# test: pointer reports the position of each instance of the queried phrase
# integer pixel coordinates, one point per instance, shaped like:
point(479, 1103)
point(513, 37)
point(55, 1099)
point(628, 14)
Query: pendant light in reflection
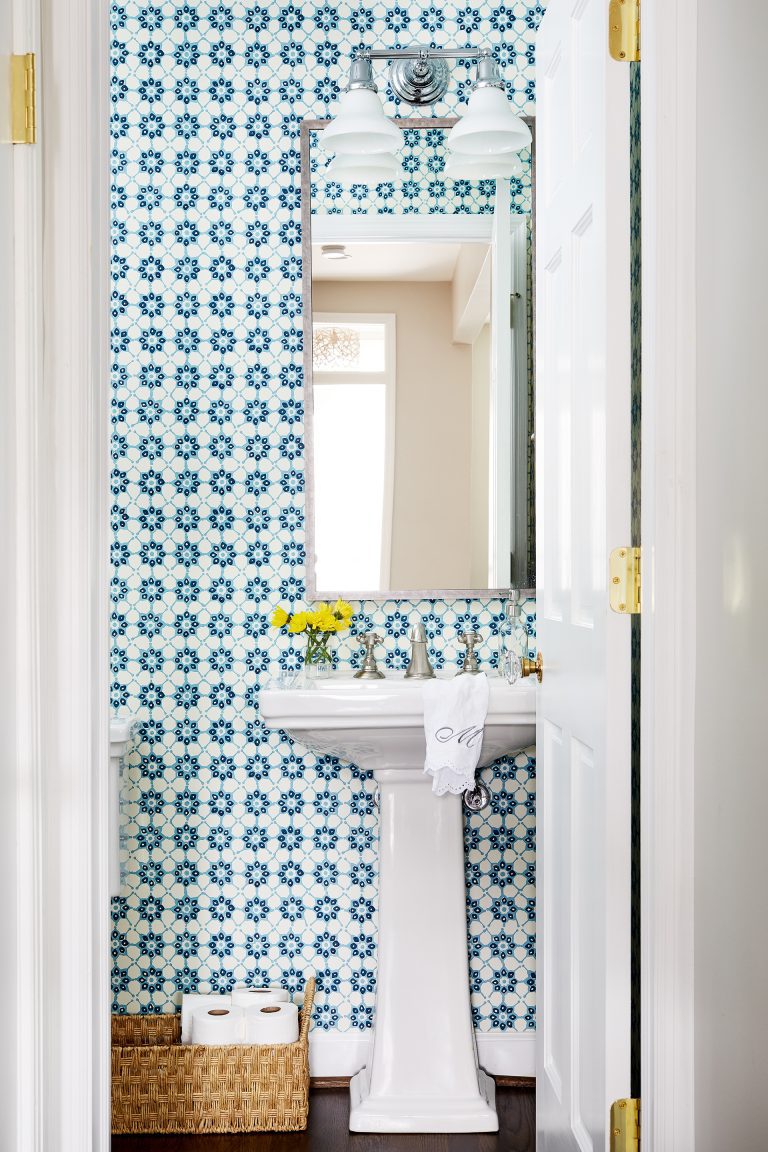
point(375, 168)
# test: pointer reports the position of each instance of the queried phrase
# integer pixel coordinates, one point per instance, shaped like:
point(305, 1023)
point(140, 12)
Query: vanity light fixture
point(420, 76)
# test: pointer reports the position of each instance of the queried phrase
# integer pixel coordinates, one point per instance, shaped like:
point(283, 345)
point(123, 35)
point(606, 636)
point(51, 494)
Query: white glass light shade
point(489, 126)
point(360, 128)
point(374, 169)
point(504, 166)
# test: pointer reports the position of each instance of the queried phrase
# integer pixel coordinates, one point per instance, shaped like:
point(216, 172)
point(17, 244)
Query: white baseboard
point(344, 1053)
point(507, 1053)
point(338, 1053)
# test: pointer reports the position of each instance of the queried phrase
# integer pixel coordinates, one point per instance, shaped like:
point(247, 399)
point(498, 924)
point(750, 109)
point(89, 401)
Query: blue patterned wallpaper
point(244, 858)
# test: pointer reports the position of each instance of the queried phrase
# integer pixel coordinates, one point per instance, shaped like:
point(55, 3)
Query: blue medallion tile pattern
point(243, 858)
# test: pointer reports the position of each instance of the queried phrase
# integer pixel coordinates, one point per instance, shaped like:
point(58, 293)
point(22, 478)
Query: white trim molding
point(669, 571)
point(507, 1053)
point(74, 424)
point(336, 1053)
point(21, 492)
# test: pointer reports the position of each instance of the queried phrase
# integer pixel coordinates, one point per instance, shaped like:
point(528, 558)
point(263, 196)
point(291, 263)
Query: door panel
point(583, 504)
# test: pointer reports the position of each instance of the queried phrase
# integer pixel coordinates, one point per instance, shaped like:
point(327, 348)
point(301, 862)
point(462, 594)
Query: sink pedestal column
point(422, 1074)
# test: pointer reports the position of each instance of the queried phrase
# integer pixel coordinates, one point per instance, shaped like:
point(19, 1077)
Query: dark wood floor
point(328, 1117)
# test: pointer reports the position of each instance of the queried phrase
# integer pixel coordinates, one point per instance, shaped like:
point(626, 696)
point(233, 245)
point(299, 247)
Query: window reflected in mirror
point(354, 406)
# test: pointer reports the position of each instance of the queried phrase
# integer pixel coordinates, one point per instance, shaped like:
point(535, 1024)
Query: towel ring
point(477, 798)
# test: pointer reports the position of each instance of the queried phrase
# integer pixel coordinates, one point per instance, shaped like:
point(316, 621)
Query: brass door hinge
point(624, 29)
point(625, 1126)
point(23, 99)
point(625, 579)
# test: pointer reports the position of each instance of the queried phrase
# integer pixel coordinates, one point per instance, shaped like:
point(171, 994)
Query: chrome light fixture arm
point(415, 53)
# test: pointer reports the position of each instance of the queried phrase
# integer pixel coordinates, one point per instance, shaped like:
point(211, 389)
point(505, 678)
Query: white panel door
point(583, 511)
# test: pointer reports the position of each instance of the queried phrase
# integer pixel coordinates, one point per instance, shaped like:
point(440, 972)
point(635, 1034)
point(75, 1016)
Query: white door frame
point(57, 559)
point(20, 628)
point(669, 116)
point(74, 125)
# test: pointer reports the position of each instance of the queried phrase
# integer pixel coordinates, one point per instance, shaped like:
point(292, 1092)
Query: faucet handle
point(469, 665)
point(369, 670)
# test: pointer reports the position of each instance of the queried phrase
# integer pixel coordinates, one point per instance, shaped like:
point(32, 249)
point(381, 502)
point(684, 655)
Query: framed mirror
point(418, 356)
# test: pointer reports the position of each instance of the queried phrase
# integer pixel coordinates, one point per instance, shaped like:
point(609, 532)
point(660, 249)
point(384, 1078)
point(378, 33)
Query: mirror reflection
point(419, 385)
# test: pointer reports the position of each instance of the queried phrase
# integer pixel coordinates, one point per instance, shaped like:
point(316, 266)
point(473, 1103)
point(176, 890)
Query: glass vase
point(317, 656)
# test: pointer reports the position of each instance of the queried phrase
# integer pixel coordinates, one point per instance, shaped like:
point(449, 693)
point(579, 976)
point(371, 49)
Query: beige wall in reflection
point(431, 531)
point(480, 458)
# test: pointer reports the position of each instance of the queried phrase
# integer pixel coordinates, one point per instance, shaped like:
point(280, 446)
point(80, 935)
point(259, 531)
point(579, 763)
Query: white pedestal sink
point(422, 1074)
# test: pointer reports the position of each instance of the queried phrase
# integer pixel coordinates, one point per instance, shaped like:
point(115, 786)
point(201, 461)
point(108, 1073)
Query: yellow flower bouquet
point(319, 624)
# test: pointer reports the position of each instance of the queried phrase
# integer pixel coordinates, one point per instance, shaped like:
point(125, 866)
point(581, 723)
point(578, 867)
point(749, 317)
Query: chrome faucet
point(419, 667)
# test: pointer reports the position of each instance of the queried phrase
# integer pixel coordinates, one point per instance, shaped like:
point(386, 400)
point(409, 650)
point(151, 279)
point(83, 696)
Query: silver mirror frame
point(377, 597)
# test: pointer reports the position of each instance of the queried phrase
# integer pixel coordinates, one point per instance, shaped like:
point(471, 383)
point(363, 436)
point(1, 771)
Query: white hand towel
point(454, 719)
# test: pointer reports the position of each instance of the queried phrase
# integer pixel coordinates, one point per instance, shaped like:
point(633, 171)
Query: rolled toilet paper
point(246, 996)
point(191, 1001)
point(218, 1025)
point(272, 1024)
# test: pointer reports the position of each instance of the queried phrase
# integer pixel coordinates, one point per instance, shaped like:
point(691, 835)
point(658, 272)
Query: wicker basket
point(162, 1085)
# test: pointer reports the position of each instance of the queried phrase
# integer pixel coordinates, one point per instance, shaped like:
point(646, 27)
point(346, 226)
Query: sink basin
point(378, 724)
point(422, 1073)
